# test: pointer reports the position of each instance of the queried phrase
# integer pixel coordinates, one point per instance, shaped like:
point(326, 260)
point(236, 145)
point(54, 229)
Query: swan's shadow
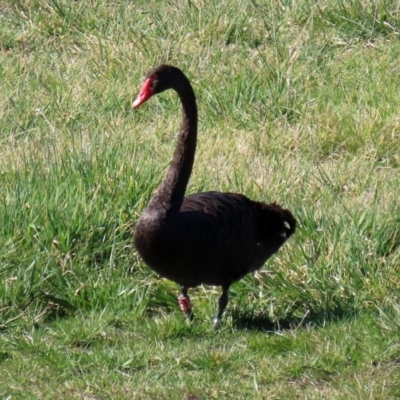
point(263, 322)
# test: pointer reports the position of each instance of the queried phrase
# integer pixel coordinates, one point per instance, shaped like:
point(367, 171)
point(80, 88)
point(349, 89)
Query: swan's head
point(157, 80)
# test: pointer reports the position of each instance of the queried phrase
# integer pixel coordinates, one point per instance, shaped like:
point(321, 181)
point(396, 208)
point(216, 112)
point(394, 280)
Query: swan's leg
point(185, 303)
point(222, 303)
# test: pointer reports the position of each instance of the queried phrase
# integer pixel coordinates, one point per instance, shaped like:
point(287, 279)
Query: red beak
point(145, 93)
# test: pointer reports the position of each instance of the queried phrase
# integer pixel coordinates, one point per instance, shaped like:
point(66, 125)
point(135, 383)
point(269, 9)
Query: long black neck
point(169, 195)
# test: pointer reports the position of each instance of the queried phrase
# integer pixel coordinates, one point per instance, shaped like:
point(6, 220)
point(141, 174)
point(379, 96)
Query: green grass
point(298, 104)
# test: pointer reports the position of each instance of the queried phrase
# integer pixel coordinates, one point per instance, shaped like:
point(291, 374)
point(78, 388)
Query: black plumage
point(208, 238)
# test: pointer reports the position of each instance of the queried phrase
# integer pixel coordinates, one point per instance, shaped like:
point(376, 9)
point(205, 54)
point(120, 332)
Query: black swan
point(207, 238)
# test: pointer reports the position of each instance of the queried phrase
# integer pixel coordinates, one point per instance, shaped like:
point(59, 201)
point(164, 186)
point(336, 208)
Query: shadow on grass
point(263, 322)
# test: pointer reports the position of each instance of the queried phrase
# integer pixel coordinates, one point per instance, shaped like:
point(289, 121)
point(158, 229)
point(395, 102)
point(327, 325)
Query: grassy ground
point(298, 103)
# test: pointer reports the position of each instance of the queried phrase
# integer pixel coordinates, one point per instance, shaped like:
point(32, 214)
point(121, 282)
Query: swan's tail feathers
point(276, 221)
point(289, 222)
